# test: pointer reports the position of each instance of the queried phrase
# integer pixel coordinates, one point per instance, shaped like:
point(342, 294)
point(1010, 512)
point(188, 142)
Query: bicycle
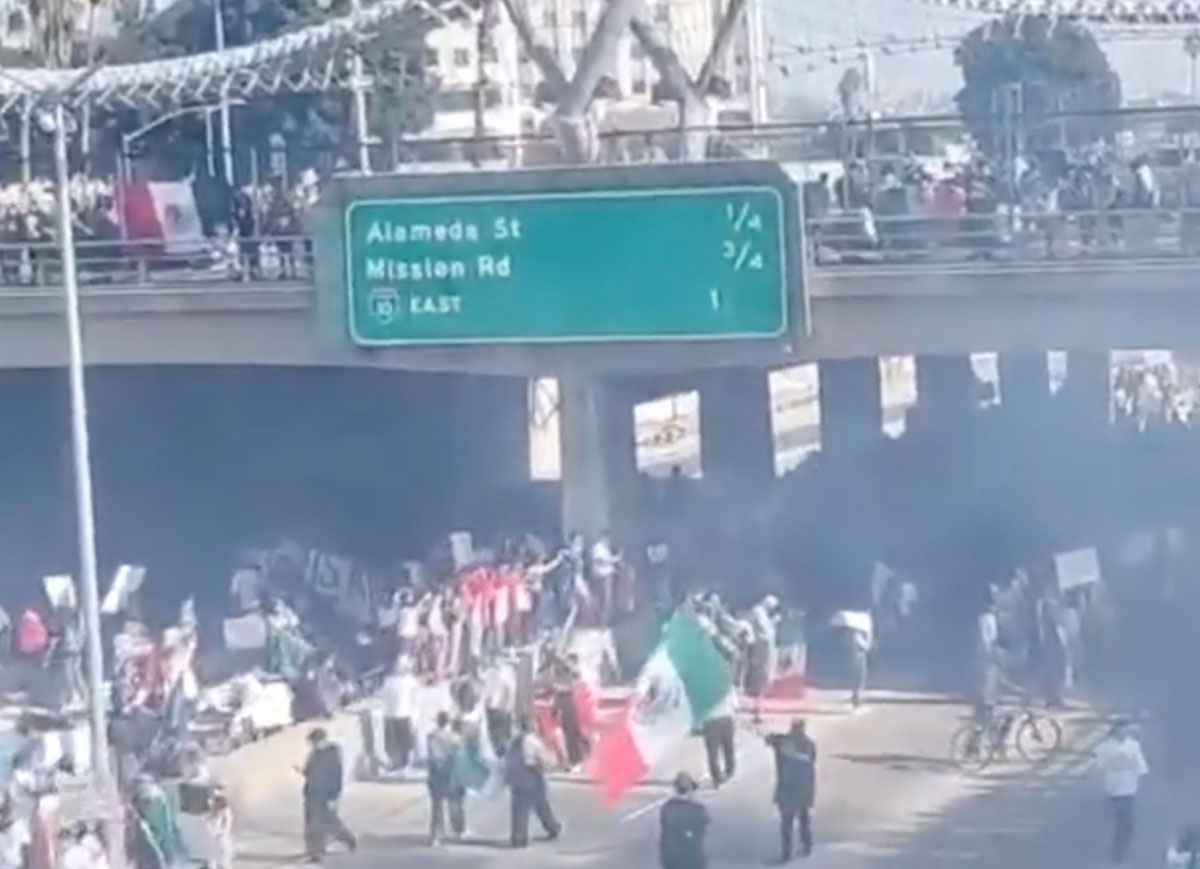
point(977, 744)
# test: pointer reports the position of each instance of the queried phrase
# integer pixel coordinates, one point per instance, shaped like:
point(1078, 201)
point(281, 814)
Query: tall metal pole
point(756, 45)
point(226, 122)
point(27, 141)
point(358, 87)
point(84, 505)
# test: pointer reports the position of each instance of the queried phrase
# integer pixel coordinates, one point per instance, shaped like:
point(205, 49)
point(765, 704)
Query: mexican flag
point(684, 680)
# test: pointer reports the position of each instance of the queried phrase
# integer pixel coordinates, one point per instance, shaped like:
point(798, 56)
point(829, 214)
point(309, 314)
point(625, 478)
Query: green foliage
point(1035, 66)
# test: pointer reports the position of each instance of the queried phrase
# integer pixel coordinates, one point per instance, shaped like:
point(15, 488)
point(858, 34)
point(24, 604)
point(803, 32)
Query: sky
point(1149, 67)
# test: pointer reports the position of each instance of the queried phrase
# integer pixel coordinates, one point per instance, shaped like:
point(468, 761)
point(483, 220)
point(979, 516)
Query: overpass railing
point(148, 264)
point(850, 237)
point(841, 239)
point(1012, 191)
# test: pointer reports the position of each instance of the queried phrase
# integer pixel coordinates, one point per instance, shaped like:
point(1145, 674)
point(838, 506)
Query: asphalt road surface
point(887, 797)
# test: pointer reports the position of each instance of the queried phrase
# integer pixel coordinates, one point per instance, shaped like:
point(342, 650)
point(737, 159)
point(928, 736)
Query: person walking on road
point(399, 696)
point(500, 701)
point(446, 794)
point(795, 786)
point(683, 823)
point(1120, 761)
point(525, 763)
point(323, 780)
point(719, 747)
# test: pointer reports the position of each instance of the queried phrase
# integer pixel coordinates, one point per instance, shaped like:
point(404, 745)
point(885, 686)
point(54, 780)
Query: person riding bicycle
point(996, 722)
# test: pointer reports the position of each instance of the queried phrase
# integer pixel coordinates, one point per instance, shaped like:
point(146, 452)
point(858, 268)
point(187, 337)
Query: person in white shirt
point(1122, 765)
point(399, 698)
point(605, 561)
point(500, 704)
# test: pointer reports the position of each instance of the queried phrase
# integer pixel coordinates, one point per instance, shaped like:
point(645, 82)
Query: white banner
point(1076, 568)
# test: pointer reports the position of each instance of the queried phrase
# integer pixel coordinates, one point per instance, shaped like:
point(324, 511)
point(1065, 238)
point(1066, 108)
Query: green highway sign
point(622, 262)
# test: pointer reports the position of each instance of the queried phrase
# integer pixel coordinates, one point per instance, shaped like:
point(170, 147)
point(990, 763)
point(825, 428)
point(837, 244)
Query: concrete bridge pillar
point(1024, 384)
point(1088, 388)
point(737, 442)
point(947, 392)
point(851, 406)
point(489, 416)
point(599, 455)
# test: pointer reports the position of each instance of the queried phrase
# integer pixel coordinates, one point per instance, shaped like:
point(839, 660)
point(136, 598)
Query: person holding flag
point(682, 684)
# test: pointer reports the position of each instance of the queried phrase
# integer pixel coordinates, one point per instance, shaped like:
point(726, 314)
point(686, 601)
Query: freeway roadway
point(887, 799)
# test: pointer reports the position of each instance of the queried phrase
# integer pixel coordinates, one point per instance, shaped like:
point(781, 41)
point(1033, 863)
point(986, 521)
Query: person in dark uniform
point(323, 779)
point(795, 786)
point(683, 823)
point(525, 763)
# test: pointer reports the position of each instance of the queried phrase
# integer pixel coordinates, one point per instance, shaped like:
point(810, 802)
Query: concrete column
point(1088, 388)
point(946, 390)
point(599, 458)
point(851, 398)
point(737, 444)
point(490, 425)
point(1024, 384)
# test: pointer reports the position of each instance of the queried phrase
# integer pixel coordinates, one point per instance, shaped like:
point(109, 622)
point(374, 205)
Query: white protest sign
point(60, 591)
point(126, 581)
point(1077, 567)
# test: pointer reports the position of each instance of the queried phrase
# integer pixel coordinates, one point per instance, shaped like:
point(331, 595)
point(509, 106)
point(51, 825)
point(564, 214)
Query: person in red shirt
point(33, 638)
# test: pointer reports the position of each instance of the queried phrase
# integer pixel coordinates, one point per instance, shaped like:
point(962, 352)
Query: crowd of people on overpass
point(1055, 203)
point(201, 229)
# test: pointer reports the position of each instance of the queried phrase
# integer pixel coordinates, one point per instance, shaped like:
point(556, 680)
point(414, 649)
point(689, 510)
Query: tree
point(1022, 70)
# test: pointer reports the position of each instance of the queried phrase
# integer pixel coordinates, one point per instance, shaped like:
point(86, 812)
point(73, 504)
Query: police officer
point(683, 822)
point(795, 785)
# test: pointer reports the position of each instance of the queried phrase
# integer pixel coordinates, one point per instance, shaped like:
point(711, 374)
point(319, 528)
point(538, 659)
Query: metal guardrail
point(150, 264)
point(860, 236)
point(840, 240)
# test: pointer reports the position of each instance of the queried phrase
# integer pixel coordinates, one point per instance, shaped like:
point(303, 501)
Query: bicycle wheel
point(970, 748)
point(1038, 737)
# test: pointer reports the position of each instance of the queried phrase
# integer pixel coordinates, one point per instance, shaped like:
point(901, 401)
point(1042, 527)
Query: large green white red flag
point(683, 682)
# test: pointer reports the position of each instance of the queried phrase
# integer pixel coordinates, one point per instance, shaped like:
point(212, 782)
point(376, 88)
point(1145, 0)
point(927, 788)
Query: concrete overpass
point(857, 311)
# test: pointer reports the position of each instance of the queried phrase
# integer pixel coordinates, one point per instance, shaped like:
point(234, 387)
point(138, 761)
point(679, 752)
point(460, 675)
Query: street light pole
point(358, 87)
point(226, 123)
point(84, 499)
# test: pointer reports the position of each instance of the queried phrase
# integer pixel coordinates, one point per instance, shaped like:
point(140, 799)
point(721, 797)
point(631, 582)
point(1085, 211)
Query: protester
point(33, 638)
point(525, 764)
point(605, 562)
point(500, 702)
point(858, 642)
point(158, 843)
point(81, 850)
point(446, 793)
point(1122, 765)
point(683, 824)
point(795, 786)
point(575, 744)
point(323, 782)
point(399, 696)
point(719, 744)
